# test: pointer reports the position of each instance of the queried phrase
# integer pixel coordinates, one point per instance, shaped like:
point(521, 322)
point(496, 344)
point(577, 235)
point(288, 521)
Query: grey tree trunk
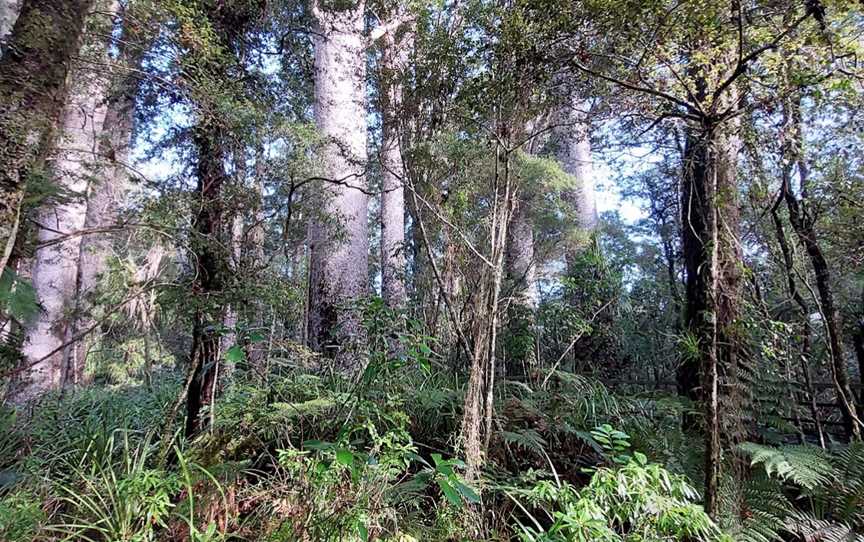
point(105, 196)
point(522, 282)
point(395, 60)
point(55, 265)
point(573, 145)
point(47, 351)
point(32, 95)
point(521, 266)
point(339, 252)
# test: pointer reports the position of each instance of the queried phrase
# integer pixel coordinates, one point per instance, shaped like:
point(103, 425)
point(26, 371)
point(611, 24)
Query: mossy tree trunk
point(33, 84)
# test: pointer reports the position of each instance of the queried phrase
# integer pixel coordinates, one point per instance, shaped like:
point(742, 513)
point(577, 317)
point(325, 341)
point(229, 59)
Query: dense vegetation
point(334, 270)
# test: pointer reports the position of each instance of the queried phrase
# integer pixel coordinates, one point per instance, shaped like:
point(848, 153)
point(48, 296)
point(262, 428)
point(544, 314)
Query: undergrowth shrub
point(66, 426)
point(629, 500)
point(302, 455)
point(21, 516)
point(115, 493)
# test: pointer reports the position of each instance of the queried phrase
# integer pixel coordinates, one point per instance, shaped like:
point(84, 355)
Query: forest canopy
point(536, 270)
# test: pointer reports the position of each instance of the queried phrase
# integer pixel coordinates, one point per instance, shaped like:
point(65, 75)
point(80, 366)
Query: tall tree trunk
point(212, 242)
point(713, 268)
point(522, 281)
point(573, 146)
point(47, 350)
point(33, 74)
point(394, 60)
point(339, 255)
point(804, 225)
point(106, 192)
point(210, 270)
point(476, 427)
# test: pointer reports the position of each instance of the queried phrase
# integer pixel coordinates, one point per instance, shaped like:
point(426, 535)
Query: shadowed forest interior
point(456, 270)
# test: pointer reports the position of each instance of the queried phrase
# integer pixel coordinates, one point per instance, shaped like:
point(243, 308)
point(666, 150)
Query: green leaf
point(363, 532)
point(469, 494)
point(235, 354)
point(451, 494)
point(344, 456)
point(317, 445)
point(18, 297)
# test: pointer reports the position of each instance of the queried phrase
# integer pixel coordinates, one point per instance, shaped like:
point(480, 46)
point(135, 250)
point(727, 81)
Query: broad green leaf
point(235, 354)
point(469, 494)
point(451, 494)
point(344, 456)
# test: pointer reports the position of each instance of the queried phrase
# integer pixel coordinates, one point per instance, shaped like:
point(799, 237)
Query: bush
point(629, 500)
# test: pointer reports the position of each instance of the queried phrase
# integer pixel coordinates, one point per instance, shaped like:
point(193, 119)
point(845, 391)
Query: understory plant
point(628, 500)
point(803, 492)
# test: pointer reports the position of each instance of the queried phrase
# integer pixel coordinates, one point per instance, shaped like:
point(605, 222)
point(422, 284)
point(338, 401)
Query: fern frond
point(812, 529)
point(526, 439)
point(804, 465)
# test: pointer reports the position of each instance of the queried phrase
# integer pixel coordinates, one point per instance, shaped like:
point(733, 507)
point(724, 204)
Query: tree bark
point(211, 267)
point(33, 86)
point(713, 268)
point(339, 253)
point(394, 60)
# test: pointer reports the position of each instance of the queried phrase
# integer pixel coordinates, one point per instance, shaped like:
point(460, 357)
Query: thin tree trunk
point(789, 266)
point(476, 424)
point(339, 255)
point(804, 225)
point(32, 95)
